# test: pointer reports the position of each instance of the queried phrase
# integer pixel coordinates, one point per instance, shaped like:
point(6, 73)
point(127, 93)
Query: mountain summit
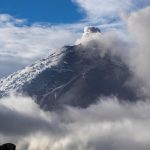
point(89, 30)
point(69, 77)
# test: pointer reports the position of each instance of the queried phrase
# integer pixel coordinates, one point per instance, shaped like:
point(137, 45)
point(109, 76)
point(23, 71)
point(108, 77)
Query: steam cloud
point(138, 26)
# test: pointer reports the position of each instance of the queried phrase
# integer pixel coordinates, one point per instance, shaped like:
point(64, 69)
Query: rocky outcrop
point(8, 146)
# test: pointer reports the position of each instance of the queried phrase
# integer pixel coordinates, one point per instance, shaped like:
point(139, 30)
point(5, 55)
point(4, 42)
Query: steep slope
point(72, 77)
point(15, 81)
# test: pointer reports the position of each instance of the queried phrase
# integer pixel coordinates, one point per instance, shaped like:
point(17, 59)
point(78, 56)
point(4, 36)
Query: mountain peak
point(71, 77)
point(90, 29)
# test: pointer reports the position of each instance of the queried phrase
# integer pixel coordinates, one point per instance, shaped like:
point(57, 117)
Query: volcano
point(75, 75)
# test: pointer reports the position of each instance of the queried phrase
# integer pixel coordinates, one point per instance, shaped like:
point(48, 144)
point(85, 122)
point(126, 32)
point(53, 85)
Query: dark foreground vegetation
point(8, 146)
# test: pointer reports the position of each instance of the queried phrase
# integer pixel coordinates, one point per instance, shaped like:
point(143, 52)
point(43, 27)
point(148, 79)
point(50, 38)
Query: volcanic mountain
point(75, 75)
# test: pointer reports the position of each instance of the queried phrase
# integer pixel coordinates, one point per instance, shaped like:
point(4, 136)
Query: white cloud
point(138, 26)
point(100, 8)
point(23, 119)
point(97, 10)
point(107, 125)
point(29, 43)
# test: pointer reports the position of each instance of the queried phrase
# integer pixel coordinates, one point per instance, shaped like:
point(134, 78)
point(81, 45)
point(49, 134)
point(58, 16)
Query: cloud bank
point(107, 125)
point(99, 9)
point(138, 26)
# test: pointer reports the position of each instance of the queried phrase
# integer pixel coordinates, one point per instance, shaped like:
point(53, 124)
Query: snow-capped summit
point(90, 30)
point(89, 33)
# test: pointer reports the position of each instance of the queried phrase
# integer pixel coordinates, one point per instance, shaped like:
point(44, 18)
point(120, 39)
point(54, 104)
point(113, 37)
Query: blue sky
point(51, 11)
